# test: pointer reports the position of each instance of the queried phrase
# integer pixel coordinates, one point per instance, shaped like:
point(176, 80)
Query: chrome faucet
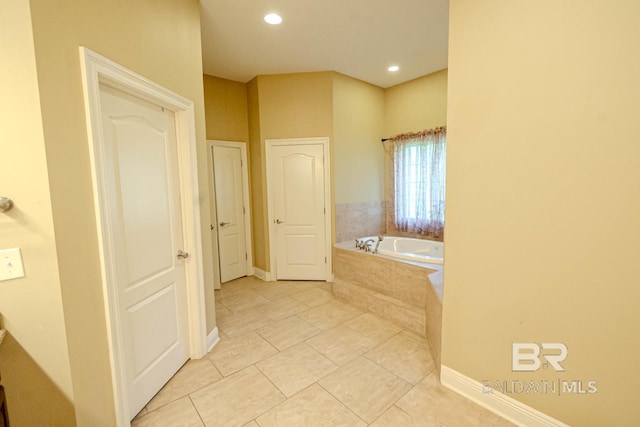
point(366, 245)
point(375, 250)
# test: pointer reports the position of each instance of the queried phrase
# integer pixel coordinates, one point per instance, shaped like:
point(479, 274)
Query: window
point(419, 164)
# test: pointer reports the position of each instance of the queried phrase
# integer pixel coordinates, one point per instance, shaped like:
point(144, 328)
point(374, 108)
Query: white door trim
point(98, 70)
point(245, 190)
point(324, 141)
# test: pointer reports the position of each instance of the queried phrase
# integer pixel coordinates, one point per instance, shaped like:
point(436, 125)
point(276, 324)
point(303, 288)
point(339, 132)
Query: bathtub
point(403, 282)
point(417, 250)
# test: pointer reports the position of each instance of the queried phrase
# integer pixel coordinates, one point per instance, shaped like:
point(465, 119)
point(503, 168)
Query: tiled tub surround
point(359, 219)
point(407, 293)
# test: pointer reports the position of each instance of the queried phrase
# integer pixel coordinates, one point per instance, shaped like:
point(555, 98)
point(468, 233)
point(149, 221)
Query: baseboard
point(496, 402)
point(267, 276)
point(212, 339)
point(263, 275)
point(260, 274)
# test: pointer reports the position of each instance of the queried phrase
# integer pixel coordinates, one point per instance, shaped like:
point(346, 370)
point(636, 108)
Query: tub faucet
point(367, 244)
point(375, 250)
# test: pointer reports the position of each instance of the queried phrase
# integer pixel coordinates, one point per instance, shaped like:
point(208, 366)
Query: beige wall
point(226, 115)
point(282, 106)
point(296, 105)
point(31, 307)
point(357, 159)
point(358, 155)
point(416, 105)
point(161, 41)
point(543, 170)
point(257, 179)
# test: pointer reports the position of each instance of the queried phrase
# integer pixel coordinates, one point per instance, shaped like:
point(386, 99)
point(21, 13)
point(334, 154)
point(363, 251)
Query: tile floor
point(290, 354)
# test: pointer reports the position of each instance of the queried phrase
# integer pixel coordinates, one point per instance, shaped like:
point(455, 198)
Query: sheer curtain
point(419, 161)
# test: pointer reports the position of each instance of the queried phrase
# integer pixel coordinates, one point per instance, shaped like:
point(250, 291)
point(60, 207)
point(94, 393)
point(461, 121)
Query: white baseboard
point(263, 275)
point(270, 277)
point(260, 274)
point(212, 339)
point(496, 402)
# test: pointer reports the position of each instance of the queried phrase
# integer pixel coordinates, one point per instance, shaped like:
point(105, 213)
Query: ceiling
point(359, 38)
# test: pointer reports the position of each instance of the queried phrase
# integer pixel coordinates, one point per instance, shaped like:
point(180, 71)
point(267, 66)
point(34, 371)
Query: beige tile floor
point(290, 354)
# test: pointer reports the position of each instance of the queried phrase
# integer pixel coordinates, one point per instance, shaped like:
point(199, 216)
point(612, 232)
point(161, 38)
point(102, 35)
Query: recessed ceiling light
point(273, 19)
point(393, 68)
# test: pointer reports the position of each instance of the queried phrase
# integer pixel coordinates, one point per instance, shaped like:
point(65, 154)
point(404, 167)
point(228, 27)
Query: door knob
point(222, 224)
point(183, 255)
point(5, 204)
point(279, 222)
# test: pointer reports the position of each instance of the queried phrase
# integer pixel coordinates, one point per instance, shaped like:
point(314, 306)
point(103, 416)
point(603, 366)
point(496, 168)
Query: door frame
point(245, 200)
point(97, 70)
point(324, 141)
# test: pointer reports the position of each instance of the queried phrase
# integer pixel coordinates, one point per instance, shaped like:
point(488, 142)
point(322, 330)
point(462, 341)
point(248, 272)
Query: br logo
point(529, 356)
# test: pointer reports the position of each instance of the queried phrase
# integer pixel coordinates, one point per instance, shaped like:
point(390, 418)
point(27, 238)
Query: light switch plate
point(11, 264)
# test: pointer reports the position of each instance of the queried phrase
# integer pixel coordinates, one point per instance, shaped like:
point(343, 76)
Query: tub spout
point(375, 250)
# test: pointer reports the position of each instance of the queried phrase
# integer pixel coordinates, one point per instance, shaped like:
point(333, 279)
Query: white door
point(230, 210)
point(143, 194)
point(297, 191)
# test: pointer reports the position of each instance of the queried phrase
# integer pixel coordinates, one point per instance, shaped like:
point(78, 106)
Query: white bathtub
point(417, 250)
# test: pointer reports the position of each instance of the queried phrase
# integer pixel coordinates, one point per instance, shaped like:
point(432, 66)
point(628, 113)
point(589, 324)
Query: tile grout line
point(191, 392)
point(320, 331)
point(196, 408)
point(340, 401)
